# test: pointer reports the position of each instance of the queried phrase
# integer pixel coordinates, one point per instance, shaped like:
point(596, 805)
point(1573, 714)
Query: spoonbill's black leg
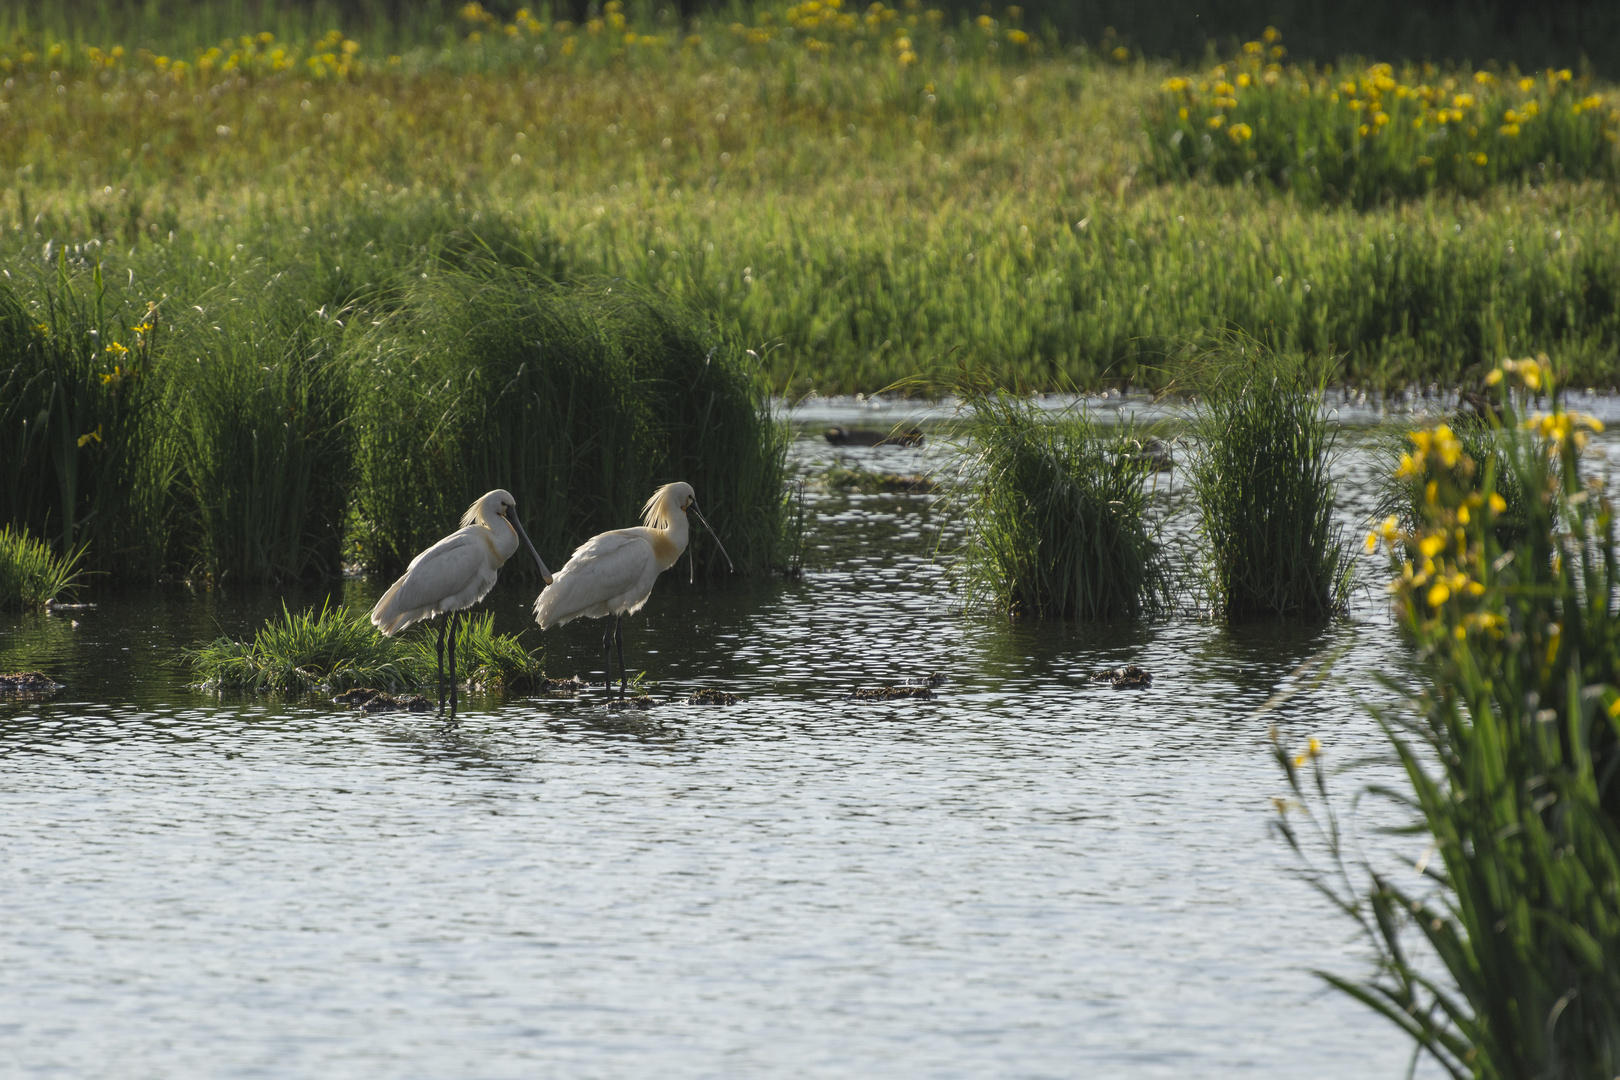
point(452, 666)
point(607, 660)
point(441, 662)
point(624, 672)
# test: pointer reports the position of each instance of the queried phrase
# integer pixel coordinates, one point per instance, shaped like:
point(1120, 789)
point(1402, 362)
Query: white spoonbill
point(456, 573)
point(612, 574)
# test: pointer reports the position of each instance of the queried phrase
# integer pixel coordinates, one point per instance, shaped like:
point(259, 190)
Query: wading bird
point(454, 574)
point(612, 574)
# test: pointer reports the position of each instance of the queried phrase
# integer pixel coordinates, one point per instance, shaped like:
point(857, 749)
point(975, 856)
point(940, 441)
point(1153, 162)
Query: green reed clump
point(580, 400)
point(1366, 136)
point(1058, 515)
point(1511, 756)
point(326, 649)
point(31, 574)
point(260, 399)
point(78, 408)
point(1260, 477)
point(489, 660)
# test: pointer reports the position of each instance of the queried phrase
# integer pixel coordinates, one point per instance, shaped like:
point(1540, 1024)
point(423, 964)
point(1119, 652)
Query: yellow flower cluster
point(1446, 560)
point(1535, 374)
point(331, 55)
point(907, 32)
point(1442, 567)
point(1368, 104)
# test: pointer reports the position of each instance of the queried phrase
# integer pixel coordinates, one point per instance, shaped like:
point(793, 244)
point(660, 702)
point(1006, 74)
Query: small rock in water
point(842, 436)
point(367, 700)
point(634, 704)
point(712, 697)
point(1125, 678)
point(571, 685)
point(890, 693)
point(28, 682)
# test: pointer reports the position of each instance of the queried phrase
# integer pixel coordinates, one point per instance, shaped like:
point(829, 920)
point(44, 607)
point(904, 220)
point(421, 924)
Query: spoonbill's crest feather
point(659, 513)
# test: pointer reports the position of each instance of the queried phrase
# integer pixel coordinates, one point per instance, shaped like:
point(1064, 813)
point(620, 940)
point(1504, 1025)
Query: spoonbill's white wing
point(452, 574)
point(609, 574)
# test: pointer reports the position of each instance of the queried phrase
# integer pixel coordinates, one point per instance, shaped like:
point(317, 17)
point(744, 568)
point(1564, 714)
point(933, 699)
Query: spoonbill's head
point(500, 503)
point(661, 508)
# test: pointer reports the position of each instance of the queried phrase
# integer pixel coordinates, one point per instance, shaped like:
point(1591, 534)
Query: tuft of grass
point(1510, 749)
point(31, 574)
point(321, 650)
point(491, 660)
point(1058, 524)
point(579, 400)
point(329, 649)
point(1260, 478)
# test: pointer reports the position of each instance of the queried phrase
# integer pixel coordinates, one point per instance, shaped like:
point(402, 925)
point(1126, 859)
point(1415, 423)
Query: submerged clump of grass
point(1260, 477)
point(1058, 515)
point(1510, 748)
point(329, 649)
point(325, 650)
point(31, 574)
point(869, 482)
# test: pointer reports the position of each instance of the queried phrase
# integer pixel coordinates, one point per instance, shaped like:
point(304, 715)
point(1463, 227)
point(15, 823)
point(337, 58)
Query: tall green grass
point(261, 406)
point(79, 402)
point(255, 429)
point(867, 215)
point(1260, 478)
point(1506, 961)
point(579, 400)
point(30, 572)
point(1058, 514)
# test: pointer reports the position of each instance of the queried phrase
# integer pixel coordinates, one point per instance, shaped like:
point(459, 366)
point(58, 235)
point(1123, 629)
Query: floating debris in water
point(57, 605)
point(367, 700)
point(712, 697)
point(634, 704)
point(1125, 678)
point(572, 685)
point(891, 693)
point(875, 483)
point(842, 436)
point(28, 682)
point(936, 679)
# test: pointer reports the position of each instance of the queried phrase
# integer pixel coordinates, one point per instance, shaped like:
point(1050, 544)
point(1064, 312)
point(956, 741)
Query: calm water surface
point(1030, 876)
